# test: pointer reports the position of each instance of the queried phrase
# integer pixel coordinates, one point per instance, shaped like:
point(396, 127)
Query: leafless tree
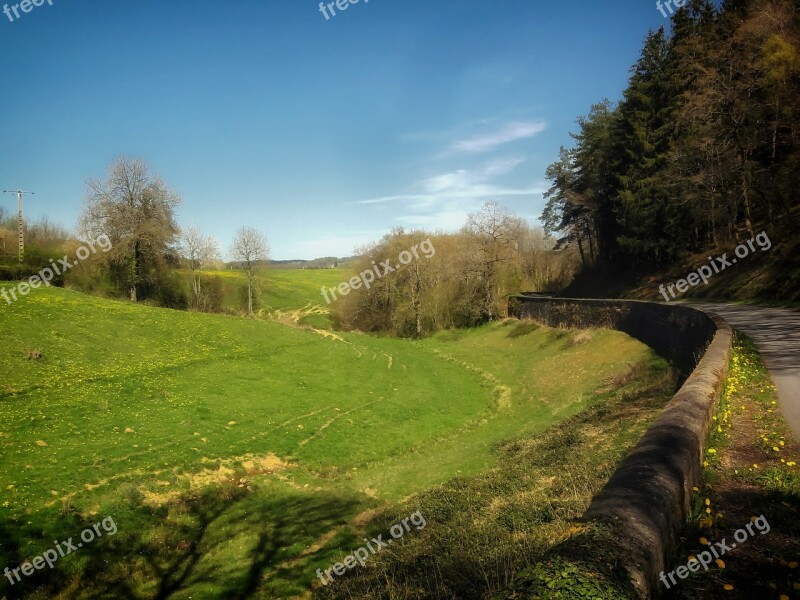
point(45, 234)
point(249, 248)
point(136, 211)
point(200, 251)
point(491, 232)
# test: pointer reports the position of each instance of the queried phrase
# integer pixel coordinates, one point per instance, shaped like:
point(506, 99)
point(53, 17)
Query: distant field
point(236, 455)
point(285, 290)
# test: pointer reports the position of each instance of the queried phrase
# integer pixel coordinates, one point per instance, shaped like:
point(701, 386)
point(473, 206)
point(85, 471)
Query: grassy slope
point(130, 408)
point(285, 290)
point(771, 278)
point(751, 470)
point(514, 531)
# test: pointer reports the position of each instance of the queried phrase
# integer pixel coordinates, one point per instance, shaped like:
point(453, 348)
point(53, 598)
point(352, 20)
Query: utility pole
point(19, 220)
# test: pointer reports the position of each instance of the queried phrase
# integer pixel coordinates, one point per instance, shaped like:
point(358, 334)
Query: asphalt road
point(776, 332)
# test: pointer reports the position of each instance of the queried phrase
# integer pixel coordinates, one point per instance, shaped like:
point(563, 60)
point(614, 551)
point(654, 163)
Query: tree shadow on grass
point(522, 329)
point(227, 542)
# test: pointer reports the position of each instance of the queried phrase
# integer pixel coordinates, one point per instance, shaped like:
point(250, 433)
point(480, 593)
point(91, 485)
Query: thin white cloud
point(465, 193)
point(441, 136)
point(461, 185)
point(510, 132)
point(501, 166)
point(443, 201)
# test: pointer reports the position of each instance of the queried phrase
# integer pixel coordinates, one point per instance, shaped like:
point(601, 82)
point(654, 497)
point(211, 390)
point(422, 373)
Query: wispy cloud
point(462, 185)
point(510, 132)
point(444, 201)
point(479, 168)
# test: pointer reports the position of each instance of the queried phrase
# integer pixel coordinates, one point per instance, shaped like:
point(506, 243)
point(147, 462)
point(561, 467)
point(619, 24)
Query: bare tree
point(199, 250)
point(249, 247)
point(45, 234)
point(136, 211)
point(491, 232)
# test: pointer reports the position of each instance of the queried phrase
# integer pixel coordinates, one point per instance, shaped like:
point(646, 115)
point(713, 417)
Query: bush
point(170, 292)
point(213, 294)
point(26, 270)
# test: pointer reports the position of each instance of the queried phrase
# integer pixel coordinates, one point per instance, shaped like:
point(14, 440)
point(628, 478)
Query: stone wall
point(647, 500)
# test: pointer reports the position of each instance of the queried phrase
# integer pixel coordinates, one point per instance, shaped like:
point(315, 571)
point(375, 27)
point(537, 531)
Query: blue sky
point(322, 133)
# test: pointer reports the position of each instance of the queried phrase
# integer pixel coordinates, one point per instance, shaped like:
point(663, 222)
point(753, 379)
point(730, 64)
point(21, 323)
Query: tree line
point(703, 148)
point(136, 210)
point(464, 283)
point(152, 259)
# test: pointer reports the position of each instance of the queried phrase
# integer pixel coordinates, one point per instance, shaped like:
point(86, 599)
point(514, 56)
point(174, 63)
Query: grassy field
point(293, 293)
point(238, 456)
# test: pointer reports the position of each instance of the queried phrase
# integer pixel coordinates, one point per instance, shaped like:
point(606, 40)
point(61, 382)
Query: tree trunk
point(580, 249)
point(132, 269)
point(249, 293)
point(416, 299)
point(748, 216)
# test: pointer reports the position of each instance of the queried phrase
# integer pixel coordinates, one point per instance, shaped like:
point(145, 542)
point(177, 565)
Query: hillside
point(271, 437)
point(771, 277)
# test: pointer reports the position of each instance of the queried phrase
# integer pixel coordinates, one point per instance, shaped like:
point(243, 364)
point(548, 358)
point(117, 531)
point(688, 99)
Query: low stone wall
point(647, 500)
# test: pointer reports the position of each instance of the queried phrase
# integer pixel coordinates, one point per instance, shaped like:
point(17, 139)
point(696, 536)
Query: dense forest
point(702, 150)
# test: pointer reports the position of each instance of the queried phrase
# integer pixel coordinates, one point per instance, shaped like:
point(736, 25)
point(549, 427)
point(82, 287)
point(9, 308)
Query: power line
point(19, 220)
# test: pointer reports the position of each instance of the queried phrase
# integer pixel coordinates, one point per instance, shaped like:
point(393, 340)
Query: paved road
point(776, 332)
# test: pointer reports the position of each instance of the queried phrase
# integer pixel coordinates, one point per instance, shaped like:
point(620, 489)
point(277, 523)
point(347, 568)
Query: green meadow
point(291, 295)
point(236, 456)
